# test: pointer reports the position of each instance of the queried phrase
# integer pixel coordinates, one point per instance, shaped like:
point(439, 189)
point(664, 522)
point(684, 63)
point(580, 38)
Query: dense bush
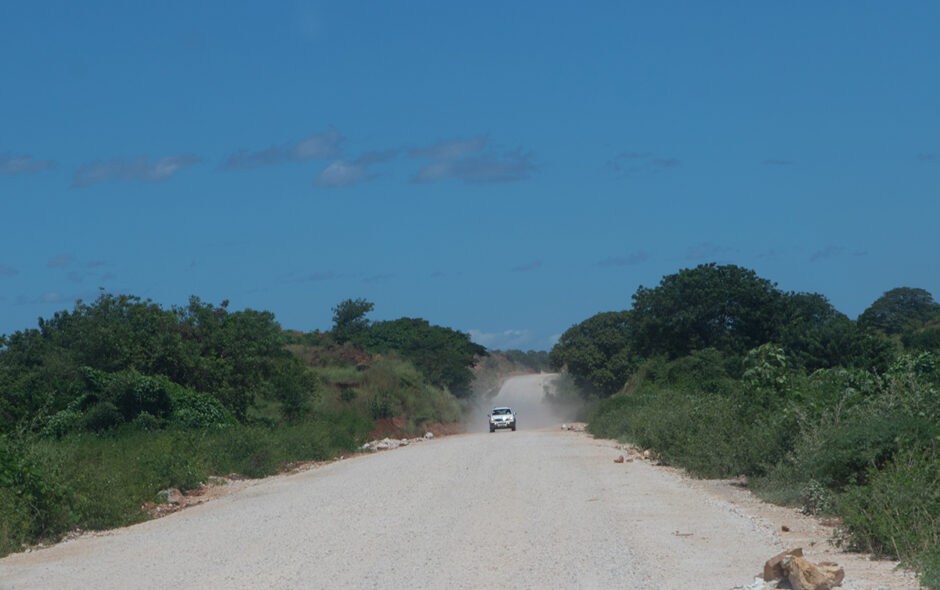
point(32, 502)
point(897, 512)
point(712, 435)
point(105, 405)
point(124, 351)
point(108, 400)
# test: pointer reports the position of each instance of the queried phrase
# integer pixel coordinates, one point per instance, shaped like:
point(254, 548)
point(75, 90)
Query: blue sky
point(502, 168)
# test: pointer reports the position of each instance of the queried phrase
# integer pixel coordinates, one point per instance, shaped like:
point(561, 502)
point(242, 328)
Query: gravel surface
point(528, 509)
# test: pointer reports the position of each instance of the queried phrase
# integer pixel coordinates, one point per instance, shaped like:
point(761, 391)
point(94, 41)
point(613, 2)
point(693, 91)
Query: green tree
point(231, 355)
point(724, 307)
point(816, 336)
point(295, 386)
point(203, 347)
point(926, 339)
point(443, 355)
point(900, 309)
point(349, 318)
point(597, 353)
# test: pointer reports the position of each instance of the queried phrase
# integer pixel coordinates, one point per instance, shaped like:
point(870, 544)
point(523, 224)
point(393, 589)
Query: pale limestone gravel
point(527, 509)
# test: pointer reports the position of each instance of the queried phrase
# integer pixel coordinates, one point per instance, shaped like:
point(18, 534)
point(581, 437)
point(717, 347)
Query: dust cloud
point(526, 394)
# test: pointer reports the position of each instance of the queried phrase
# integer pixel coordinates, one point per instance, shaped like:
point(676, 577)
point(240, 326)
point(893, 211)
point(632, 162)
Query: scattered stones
point(619, 459)
point(574, 427)
point(170, 496)
point(393, 443)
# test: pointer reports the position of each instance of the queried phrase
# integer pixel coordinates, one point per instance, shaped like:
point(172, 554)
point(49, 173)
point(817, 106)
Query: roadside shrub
point(62, 423)
point(102, 416)
point(380, 406)
point(898, 512)
point(198, 410)
point(261, 463)
point(817, 498)
point(846, 452)
point(133, 393)
point(174, 469)
point(34, 503)
point(147, 421)
point(15, 522)
point(711, 435)
point(239, 450)
point(345, 429)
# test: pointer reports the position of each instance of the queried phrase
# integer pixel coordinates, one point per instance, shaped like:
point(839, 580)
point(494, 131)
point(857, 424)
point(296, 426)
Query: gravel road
point(536, 508)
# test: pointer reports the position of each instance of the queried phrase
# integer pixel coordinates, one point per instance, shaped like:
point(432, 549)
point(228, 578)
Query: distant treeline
point(724, 374)
point(534, 360)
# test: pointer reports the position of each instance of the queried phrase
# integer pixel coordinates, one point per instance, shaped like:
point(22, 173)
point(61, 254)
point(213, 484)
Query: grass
point(99, 482)
point(388, 387)
point(897, 512)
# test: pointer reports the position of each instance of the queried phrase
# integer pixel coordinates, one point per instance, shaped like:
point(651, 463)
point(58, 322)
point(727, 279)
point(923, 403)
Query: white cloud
point(342, 173)
point(137, 169)
point(318, 146)
point(468, 161)
point(450, 148)
point(509, 167)
point(12, 165)
point(631, 163)
point(347, 173)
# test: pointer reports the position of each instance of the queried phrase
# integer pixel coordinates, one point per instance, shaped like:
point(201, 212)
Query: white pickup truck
point(502, 418)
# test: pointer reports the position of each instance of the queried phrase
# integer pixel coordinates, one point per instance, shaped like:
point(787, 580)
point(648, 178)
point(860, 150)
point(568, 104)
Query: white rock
point(758, 584)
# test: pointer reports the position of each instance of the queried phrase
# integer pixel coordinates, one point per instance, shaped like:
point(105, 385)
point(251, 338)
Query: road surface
point(535, 508)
